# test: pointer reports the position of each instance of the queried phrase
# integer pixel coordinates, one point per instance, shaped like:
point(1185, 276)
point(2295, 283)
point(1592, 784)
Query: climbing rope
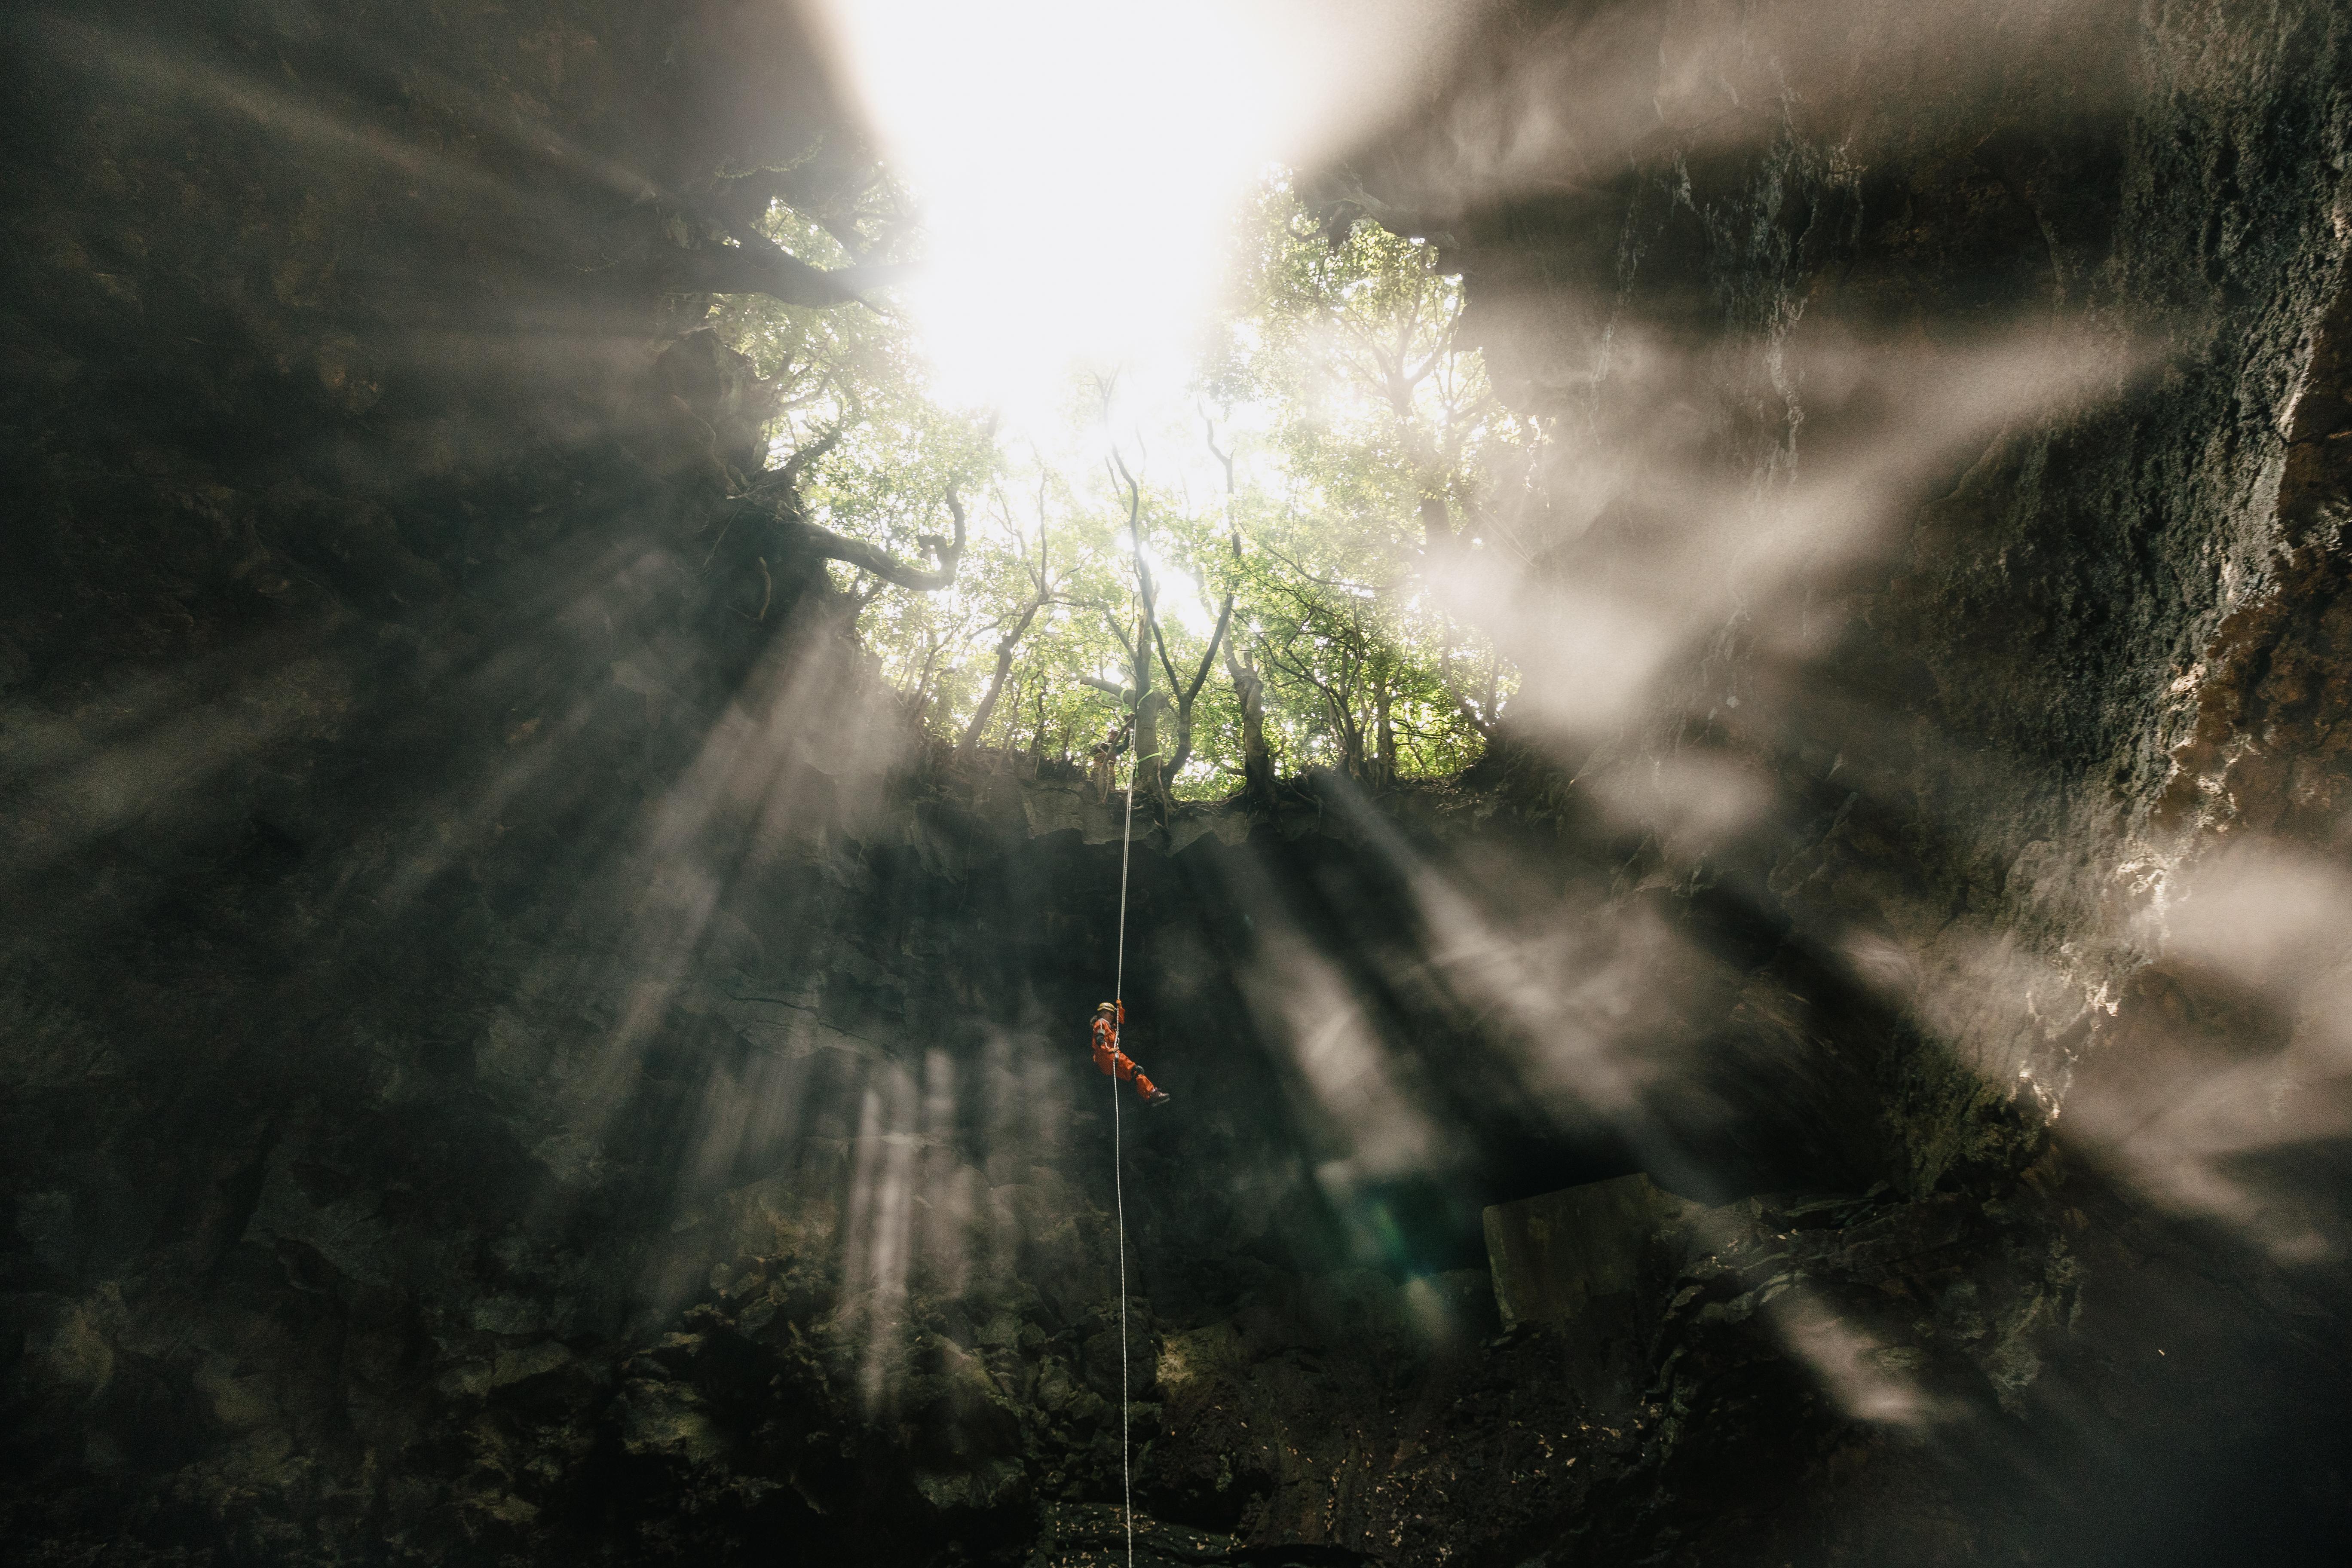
point(1119, 1172)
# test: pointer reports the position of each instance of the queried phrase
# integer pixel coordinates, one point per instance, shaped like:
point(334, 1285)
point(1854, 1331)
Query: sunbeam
point(1670, 676)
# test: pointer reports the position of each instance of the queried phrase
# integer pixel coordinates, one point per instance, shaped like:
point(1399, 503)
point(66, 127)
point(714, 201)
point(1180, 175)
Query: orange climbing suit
point(1109, 1059)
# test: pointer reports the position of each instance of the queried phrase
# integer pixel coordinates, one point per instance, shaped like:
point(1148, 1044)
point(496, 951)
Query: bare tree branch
point(1043, 586)
point(1003, 667)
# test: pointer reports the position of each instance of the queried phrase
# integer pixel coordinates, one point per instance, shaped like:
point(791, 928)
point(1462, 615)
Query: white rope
point(1118, 986)
point(1118, 1168)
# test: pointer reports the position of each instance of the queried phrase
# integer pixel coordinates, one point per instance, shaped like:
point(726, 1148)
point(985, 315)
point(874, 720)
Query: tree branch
point(1004, 647)
point(890, 568)
point(1209, 654)
point(758, 265)
point(1117, 633)
point(1159, 640)
point(789, 476)
point(762, 267)
point(1142, 645)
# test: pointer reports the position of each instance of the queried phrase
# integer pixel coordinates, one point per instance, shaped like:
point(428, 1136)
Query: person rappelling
point(1109, 1059)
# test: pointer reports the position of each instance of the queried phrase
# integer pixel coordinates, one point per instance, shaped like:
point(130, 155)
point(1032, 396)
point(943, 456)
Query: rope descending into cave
point(1118, 1169)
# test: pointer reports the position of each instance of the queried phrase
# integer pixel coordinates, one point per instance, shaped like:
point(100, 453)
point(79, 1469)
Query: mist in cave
point(1732, 636)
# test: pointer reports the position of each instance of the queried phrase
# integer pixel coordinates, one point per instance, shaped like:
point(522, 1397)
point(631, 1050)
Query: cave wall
point(2015, 318)
point(1946, 400)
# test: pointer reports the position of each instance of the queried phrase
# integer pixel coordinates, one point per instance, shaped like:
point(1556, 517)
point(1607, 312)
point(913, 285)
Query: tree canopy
point(1245, 564)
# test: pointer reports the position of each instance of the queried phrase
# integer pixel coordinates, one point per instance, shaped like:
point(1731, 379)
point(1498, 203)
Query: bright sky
point(1077, 160)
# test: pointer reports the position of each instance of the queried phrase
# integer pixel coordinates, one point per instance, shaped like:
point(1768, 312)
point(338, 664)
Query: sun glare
point(1078, 158)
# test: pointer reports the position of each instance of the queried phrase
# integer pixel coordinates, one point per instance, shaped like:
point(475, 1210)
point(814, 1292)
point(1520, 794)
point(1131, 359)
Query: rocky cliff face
point(514, 1052)
point(1939, 405)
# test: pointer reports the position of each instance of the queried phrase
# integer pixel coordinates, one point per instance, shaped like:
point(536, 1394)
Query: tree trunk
point(1257, 760)
point(1384, 737)
point(1347, 731)
point(1188, 695)
point(1150, 771)
point(1437, 535)
point(979, 725)
point(1184, 751)
point(1037, 740)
